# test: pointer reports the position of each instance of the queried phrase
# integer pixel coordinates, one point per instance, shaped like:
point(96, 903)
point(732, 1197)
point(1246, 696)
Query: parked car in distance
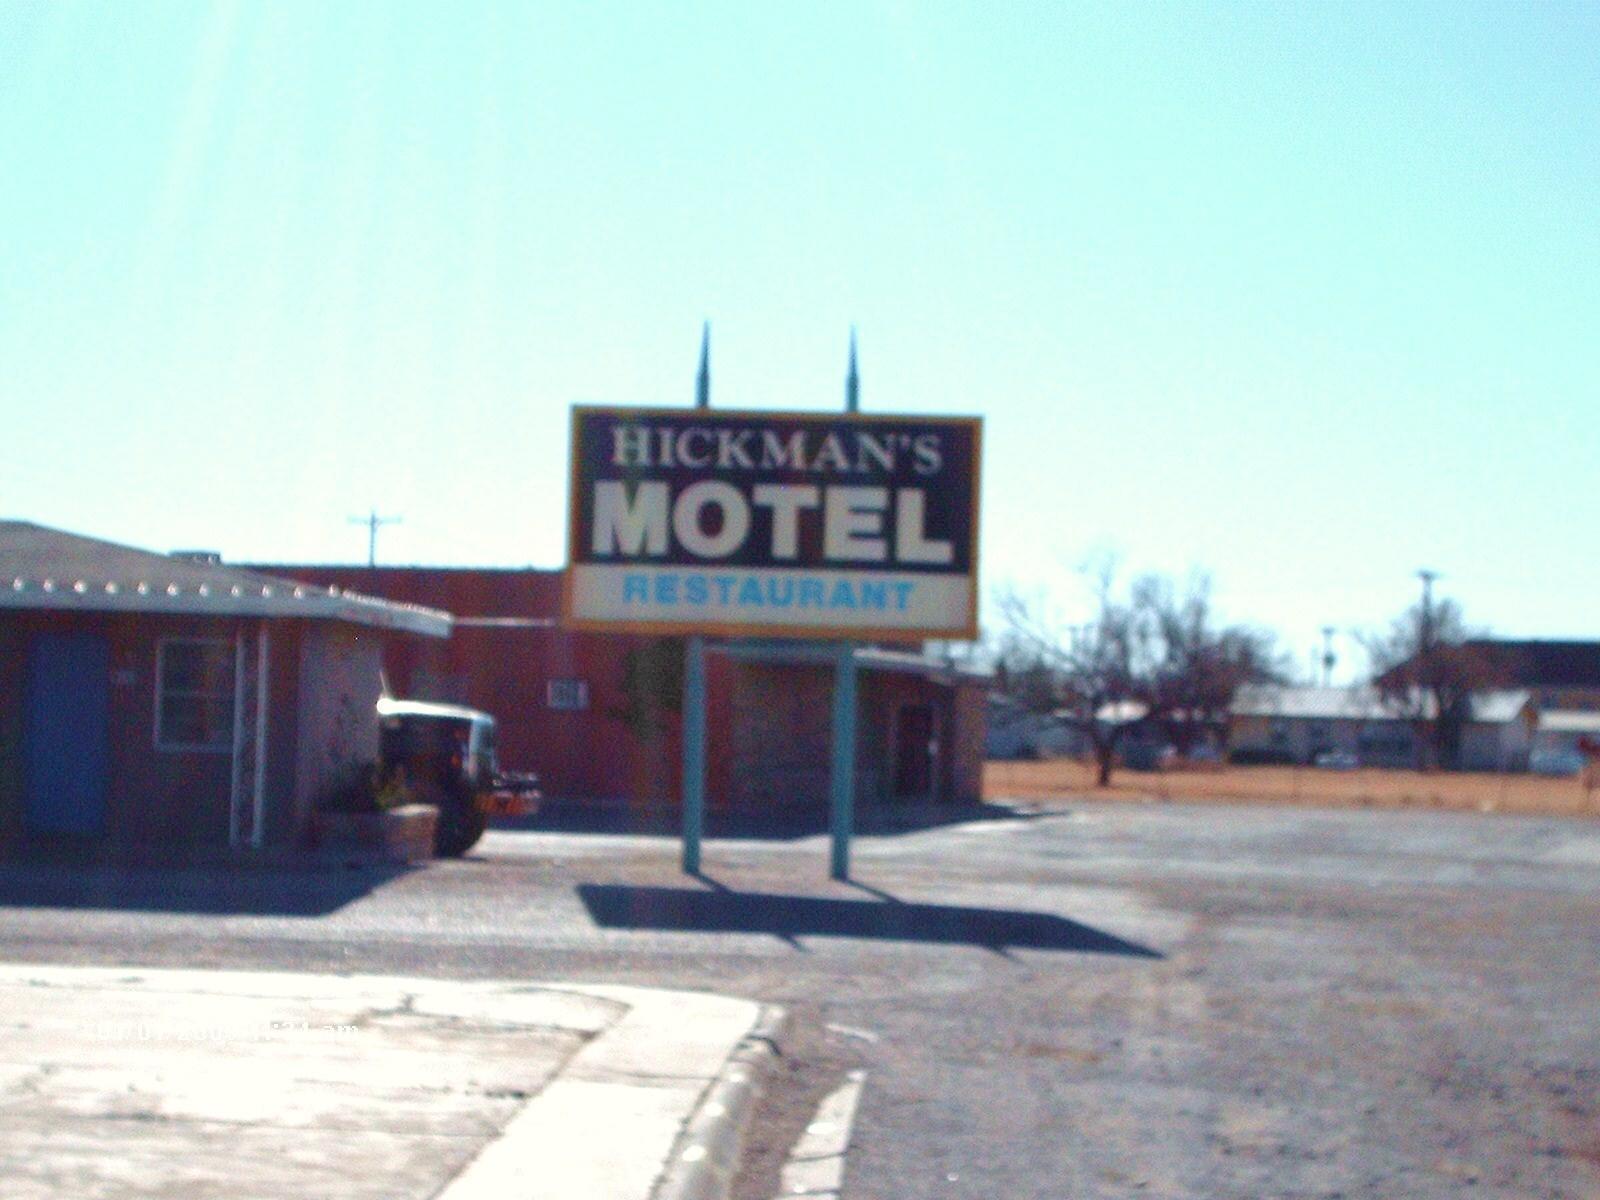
point(1148, 756)
point(1336, 760)
point(1555, 762)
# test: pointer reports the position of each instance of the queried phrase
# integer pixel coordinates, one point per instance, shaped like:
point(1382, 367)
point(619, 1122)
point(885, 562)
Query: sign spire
point(852, 381)
point(702, 385)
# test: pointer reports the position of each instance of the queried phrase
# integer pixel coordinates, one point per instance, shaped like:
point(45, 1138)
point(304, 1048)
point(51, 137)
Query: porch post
point(844, 757)
point(843, 799)
point(694, 752)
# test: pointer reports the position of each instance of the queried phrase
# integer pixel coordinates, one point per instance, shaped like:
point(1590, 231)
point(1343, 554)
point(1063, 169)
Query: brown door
point(913, 752)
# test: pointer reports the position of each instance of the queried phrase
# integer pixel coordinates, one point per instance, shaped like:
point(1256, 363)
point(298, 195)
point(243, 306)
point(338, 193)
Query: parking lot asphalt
point(1112, 1001)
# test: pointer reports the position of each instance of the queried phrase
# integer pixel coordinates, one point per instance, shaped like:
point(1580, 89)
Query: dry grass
point(1068, 779)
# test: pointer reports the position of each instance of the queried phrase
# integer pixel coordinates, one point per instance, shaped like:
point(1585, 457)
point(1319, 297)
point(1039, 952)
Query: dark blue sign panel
point(778, 524)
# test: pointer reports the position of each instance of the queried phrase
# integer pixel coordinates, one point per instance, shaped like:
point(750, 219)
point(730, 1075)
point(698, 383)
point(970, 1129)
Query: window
point(194, 694)
point(569, 695)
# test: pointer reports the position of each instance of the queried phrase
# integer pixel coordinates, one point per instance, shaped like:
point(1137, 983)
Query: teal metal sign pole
point(843, 776)
point(694, 752)
point(844, 758)
point(694, 685)
point(843, 799)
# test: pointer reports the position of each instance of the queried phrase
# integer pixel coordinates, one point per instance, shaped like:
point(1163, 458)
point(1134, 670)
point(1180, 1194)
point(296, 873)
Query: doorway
point(915, 750)
point(65, 734)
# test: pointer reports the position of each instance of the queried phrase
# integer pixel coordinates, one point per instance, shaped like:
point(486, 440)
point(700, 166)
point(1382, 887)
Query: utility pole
point(372, 521)
point(1427, 672)
point(1425, 625)
point(1327, 656)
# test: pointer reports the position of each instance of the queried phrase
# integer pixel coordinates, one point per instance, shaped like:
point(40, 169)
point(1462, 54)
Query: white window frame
point(224, 747)
point(552, 686)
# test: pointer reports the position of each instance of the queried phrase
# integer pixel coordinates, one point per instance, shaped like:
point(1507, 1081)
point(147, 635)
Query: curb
point(706, 1157)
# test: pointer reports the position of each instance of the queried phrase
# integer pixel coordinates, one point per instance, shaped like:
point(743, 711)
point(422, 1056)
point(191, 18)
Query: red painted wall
point(506, 669)
point(594, 754)
point(155, 796)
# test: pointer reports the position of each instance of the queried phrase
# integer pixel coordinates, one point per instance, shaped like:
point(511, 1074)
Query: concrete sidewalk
point(189, 1085)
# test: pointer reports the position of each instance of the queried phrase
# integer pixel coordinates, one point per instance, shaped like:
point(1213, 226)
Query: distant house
point(1269, 723)
point(172, 701)
point(1016, 731)
point(1563, 675)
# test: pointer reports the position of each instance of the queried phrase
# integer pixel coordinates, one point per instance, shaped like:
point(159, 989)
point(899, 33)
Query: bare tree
point(1426, 673)
point(1147, 657)
point(1203, 666)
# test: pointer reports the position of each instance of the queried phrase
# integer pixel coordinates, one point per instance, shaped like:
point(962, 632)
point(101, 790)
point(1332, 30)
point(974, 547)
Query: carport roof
point(48, 569)
point(868, 658)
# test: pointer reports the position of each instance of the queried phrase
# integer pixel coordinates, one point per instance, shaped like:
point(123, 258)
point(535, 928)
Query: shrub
point(365, 788)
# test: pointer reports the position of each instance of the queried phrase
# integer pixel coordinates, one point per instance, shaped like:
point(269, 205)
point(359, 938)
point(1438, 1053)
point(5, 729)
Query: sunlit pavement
point(1117, 1001)
point(119, 1083)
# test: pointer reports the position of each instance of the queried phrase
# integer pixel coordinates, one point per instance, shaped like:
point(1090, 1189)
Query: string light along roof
point(43, 568)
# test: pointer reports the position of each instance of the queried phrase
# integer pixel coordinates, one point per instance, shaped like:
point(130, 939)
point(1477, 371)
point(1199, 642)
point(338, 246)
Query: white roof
point(1566, 720)
point(1359, 704)
point(42, 568)
point(389, 707)
point(1122, 712)
point(873, 658)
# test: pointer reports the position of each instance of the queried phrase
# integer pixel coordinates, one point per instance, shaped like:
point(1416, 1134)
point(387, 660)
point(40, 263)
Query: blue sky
point(1303, 295)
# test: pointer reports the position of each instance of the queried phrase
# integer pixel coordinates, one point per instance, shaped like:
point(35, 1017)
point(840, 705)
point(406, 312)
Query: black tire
point(460, 826)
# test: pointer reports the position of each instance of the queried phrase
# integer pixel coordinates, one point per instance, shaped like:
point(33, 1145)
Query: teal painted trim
point(694, 752)
point(844, 757)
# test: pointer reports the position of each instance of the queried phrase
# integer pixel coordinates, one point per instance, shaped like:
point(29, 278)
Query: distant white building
point(1558, 739)
point(1269, 723)
point(1015, 731)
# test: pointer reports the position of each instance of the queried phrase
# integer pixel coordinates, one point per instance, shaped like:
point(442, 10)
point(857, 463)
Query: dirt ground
point(1067, 779)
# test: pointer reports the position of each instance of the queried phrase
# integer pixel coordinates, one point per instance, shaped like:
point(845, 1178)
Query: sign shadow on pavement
point(618, 906)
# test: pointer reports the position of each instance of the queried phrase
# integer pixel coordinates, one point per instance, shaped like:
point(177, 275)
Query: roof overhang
point(272, 600)
point(866, 658)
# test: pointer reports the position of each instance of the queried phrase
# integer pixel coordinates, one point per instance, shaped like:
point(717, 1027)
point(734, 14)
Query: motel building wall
point(161, 703)
point(565, 710)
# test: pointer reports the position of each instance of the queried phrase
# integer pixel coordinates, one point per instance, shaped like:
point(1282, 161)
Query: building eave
point(270, 601)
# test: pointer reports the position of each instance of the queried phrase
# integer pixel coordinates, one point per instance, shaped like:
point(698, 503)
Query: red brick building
point(596, 715)
point(152, 700)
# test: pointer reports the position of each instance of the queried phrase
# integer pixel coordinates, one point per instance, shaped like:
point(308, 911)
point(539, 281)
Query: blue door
point(65, 733)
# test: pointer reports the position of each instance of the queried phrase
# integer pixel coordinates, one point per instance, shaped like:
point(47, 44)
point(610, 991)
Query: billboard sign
point(814, 525)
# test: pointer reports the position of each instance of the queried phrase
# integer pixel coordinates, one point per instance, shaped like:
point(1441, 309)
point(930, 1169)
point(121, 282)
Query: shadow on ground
point(312, 892)
point(560, 816)
point(615, 906)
